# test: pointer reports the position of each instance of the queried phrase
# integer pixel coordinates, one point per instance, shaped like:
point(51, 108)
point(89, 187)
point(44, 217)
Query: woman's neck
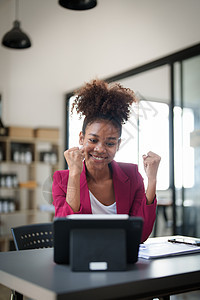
point(98, 175)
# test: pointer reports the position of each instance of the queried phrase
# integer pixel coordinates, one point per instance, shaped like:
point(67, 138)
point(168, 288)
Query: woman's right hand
point(74, 158)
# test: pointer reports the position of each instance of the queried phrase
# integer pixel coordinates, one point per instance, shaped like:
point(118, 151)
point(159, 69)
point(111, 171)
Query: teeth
point(98, 158)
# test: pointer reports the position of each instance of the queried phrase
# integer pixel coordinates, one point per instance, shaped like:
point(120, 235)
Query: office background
point(72, 47)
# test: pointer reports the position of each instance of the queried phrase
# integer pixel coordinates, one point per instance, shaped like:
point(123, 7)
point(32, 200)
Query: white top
point(99, 208)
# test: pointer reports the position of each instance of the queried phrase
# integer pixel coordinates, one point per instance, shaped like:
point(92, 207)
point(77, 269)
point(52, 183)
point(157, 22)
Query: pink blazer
point(129, 195)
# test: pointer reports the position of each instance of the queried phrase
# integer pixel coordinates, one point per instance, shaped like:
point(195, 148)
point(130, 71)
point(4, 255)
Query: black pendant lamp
point(78, 4)
point(16, 38)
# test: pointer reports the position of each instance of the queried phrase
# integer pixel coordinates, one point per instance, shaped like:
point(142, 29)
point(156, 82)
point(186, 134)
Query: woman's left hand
point(151, 163)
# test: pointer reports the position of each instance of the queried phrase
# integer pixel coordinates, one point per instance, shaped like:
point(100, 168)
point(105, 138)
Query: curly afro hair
point(100, 100)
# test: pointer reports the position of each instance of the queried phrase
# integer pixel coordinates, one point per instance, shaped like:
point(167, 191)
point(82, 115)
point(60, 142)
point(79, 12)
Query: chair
point(32, 236)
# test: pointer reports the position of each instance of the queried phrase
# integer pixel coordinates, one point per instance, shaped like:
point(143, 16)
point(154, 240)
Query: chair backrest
point(33, 236)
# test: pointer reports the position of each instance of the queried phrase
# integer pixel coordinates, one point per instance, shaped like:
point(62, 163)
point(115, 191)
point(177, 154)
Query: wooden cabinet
point(26, 169)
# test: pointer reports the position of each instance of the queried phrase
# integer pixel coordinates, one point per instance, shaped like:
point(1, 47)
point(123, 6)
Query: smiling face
point(101, 142)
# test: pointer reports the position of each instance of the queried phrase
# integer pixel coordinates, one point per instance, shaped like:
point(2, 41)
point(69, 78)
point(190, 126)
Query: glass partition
point(148, 126)
point(187, 145)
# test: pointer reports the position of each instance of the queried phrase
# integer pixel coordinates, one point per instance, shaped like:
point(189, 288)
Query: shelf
point(18, 163)
point(17, 189)
point(10, 139)
point(48, 164)
point(33, 164)
point(27, 198)
point(20, 212)
point(29, 140)
point(47, 140)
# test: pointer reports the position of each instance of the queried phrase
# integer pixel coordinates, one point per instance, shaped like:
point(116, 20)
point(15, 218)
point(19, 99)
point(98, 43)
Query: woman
point(94, 182)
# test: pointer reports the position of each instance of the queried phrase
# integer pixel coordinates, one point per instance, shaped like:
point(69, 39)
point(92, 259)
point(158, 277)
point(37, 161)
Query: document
point(165, 248)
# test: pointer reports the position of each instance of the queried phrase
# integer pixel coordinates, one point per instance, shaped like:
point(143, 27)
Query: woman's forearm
point(151, 162)
point(73, 192)
point(151, 191)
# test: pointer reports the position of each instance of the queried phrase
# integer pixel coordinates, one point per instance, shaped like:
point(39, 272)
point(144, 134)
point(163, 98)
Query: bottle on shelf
point(1, 154)
point(3, 129)
point(16, 153)
point(7, 205)
point(21, 154)
point(28, 155)
point(8, 180)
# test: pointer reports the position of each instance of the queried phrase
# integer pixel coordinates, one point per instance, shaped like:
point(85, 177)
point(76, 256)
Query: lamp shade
point(16, 38)
point(78, 4)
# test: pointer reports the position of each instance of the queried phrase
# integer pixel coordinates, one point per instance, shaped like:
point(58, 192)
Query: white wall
point(71, 47)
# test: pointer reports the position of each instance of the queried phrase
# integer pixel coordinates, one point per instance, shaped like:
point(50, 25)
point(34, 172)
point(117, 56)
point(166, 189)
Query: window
point(147, 129)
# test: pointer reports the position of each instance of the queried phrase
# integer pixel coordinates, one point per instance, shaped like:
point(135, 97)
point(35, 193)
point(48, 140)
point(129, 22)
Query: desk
point(33, 273)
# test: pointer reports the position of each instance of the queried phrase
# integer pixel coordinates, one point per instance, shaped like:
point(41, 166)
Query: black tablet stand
point(98, 249)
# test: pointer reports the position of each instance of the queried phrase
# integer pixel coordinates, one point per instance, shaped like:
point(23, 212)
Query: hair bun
point(98, 98)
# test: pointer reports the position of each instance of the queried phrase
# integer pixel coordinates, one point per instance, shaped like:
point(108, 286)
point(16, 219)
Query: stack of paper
point(162, 249)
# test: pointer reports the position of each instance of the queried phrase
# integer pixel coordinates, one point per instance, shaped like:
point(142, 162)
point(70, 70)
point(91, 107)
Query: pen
point(193, 242)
